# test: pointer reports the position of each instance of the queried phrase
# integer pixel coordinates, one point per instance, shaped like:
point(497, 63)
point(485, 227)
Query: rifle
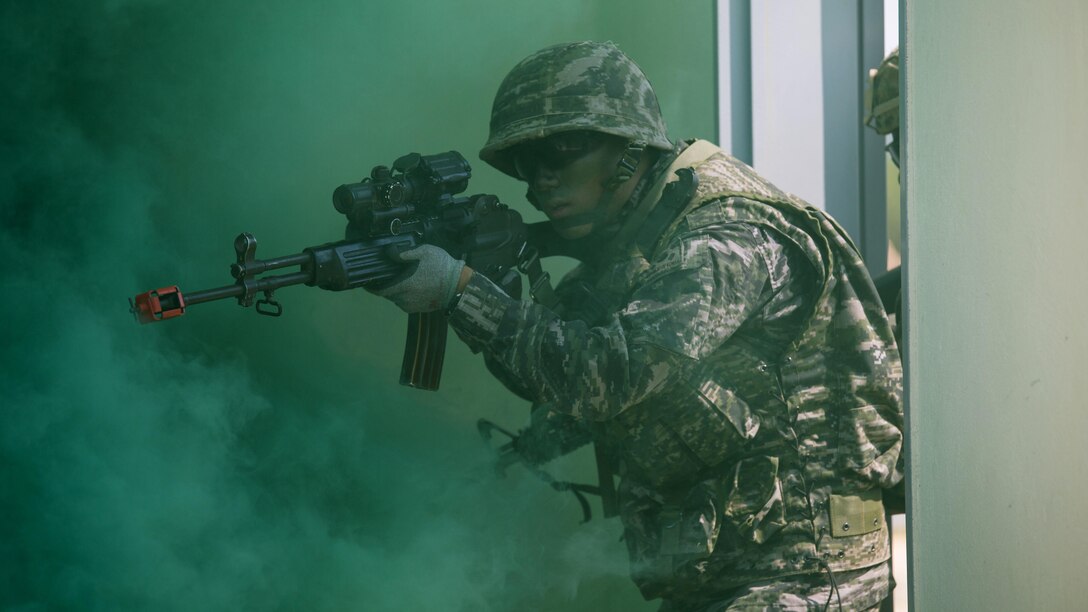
point(393, 210)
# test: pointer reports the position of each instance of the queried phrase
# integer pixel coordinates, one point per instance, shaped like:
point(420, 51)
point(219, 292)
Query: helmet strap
point(625, 168)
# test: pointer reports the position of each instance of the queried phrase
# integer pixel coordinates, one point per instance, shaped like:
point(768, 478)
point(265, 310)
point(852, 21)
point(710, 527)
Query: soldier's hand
point(431, 285)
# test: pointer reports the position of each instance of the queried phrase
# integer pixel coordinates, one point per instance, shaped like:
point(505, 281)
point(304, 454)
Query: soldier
point(721, 343)
point(882, 102)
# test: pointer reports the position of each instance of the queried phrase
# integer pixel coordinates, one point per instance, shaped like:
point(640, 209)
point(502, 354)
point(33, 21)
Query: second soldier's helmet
point(575, 86)
point(882, 97)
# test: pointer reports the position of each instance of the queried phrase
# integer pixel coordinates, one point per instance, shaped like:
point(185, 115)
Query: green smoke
point(226, 460)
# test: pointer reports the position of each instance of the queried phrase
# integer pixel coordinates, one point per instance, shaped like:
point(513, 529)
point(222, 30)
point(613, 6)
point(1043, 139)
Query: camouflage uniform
point(741, 373)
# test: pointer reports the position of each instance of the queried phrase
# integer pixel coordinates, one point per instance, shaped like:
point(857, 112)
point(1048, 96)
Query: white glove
point(431, 286)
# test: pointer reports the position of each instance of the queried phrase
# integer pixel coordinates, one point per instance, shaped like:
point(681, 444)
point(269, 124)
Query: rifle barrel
point(259, 266)
point(261, 284)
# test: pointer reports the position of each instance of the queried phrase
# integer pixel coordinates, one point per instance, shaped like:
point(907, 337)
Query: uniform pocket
point(717, 425)
point(668, 544)
point(754, 510)
point(692, 527)
point(870, 444)
point(689, 431)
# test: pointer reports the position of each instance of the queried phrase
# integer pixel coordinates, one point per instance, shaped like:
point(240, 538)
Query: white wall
point(997, 295)
point(787, 97)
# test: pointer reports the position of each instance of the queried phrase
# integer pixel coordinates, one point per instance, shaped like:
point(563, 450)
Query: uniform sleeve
point(690, 300)
point(507, 378)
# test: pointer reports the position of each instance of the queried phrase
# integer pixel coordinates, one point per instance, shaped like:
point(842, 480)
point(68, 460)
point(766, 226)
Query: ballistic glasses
point(554, 152)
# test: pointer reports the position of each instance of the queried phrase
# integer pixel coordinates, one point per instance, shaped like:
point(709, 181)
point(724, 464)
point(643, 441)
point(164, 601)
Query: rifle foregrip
point(424, 350)
point(356, 263)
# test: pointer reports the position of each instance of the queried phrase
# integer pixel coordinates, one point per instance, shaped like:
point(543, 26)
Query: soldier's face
point(567, 174)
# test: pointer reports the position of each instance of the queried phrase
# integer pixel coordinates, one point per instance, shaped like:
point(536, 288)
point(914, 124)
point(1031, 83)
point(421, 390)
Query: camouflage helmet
point(574, 86)
point(882, 97)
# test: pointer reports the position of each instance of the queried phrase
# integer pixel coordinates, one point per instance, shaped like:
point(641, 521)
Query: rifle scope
point(414, 179)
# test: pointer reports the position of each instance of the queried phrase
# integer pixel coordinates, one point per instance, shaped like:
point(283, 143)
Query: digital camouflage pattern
point(859, 590)
point(582, 85)
point(744, 376)
point(882, 97)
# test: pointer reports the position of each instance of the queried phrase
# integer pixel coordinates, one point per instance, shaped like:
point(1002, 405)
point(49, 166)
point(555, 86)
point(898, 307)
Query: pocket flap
point(735, 410)
point(857, 514)
point(712, 422)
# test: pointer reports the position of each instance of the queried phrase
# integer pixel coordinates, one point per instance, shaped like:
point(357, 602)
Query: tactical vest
point(763, 461)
